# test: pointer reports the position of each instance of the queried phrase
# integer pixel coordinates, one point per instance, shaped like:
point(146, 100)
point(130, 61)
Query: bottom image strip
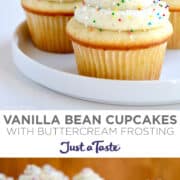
point(90, 169)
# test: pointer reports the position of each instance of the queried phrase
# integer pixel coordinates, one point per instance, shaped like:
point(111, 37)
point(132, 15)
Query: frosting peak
point(87, 174)
point(32, 170)
point(127, 15)
point(61, 1)
point(37, 173)
point(120, 5)
point(4, 177)
point(48, 170)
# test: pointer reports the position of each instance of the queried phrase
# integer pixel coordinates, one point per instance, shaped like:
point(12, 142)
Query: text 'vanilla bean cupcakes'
point(120, 39)
point(174, 42)
point(47, 21)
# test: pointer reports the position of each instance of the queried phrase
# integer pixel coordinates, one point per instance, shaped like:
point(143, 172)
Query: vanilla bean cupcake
point(87, 174)
point(50, 173)
point(174, 42)
point(4, 177)
point(123, 40)
point(47, 21)
point(33, 172)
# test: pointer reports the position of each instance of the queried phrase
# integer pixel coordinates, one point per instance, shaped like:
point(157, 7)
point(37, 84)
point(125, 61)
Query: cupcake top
point(60, 1)
point(129, 15)
point(120, 5)
point(174, 4)
point(48, 7)
point(4, 177)
point(33, 172)
point(48, 172)
point(87, 174)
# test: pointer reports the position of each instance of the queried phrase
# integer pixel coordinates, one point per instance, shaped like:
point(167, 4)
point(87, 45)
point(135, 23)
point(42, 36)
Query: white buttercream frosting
point(52, 173)
point(174, 3)
point(33, 172)
point(118, 4)
point(61, 1)
point(4, 177)
point(87, 174)
point(129, 15)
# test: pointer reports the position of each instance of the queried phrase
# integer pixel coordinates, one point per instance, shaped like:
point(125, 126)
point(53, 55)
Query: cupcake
point(50, 173)
point(123, 40)
point(47, 21)
point(174, 42)
point(4, 177)
point(87, 174)
point(33, 172)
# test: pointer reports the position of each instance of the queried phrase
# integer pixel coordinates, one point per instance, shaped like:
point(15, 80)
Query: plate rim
point(123, 82)
point(146, 87)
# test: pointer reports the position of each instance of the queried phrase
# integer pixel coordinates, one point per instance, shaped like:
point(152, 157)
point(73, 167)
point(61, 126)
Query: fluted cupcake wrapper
point(174, 42)
point(49, 32)
point(142, 64)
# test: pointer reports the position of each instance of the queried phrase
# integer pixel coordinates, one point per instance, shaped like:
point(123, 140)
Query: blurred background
point(110, 169)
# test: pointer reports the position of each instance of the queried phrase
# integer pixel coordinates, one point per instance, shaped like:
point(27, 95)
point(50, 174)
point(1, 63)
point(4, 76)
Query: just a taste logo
point(96, 147)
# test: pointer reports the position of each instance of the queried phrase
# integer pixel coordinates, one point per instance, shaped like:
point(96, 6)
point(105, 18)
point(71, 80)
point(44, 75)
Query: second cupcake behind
point(174, 42)
point(47, 21)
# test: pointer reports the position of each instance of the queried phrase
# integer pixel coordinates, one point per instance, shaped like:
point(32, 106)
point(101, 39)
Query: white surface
point(17, 92)
point(136, 140)
point(59, 73)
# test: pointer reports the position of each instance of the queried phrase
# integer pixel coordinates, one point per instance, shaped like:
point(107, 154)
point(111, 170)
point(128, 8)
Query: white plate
point(58, 72)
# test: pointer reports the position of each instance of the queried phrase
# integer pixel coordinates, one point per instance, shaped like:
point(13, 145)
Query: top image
point(90, 54)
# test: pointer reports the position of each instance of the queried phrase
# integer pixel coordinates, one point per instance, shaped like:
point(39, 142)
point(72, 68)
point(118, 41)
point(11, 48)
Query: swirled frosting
point(4, 177)
point(126, 15)
point(33, 172)
point(52, 173)
point(118, 4)
point(61, 1)
point(174, 3)
point(87, 174)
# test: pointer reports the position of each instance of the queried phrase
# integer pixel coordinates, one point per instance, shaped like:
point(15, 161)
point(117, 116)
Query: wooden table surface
point(110, 169)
